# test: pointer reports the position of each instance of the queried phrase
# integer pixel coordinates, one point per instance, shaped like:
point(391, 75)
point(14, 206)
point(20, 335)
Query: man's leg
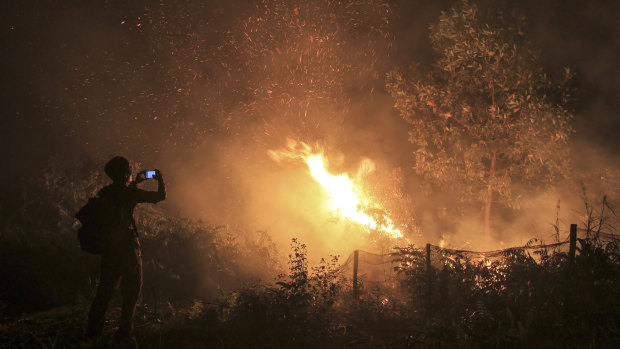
point(107, 282)
point(131, 285)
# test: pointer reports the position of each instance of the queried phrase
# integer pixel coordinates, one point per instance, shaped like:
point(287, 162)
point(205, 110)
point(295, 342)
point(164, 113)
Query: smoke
point(202, 90)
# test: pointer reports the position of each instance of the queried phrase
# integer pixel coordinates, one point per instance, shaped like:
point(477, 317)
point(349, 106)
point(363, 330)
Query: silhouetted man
point(122, 257)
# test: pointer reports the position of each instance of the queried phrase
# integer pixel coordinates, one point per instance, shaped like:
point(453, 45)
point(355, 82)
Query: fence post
point(429, 278)
point(573, 243)
point(428, 265)
point(428, 260)
point(355, 263)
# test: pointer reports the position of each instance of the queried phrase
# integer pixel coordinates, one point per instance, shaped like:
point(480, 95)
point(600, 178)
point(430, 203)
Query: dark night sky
point(50, 47)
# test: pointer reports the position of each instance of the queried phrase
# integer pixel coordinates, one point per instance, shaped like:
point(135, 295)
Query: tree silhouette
point(487, 123)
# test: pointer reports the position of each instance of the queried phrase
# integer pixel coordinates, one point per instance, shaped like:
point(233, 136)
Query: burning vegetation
point(346, 198)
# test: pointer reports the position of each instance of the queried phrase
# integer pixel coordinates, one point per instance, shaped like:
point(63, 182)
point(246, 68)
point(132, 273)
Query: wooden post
point(429, 279)
point(573, 243)
point(355, 263)
point(428, 260)
point(429, 274)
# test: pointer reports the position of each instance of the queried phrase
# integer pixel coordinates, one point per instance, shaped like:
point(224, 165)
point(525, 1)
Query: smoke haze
point(202, 90)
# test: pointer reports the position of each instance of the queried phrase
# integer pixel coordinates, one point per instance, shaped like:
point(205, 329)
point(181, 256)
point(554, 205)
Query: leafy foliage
point(485, 119)
point(297, 310)
point(538, 299)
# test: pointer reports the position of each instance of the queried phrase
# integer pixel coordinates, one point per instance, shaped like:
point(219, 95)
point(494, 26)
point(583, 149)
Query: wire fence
point(371, 270)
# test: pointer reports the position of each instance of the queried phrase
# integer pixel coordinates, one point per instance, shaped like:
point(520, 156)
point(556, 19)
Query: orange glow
point(345, 198)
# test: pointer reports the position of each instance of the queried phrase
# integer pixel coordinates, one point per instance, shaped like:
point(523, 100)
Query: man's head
point(118, 169)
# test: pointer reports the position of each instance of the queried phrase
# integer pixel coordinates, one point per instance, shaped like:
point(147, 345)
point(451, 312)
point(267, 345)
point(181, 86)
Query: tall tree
point(487, 123)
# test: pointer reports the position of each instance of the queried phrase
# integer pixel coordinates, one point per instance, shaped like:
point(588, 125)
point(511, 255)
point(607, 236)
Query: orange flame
point(345, 198)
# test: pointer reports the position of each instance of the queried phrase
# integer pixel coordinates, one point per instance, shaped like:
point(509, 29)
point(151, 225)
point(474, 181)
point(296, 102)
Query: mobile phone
point(149, 174)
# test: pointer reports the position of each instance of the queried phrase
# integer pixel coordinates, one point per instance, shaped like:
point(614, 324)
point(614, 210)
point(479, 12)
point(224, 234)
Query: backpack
point(95, 217)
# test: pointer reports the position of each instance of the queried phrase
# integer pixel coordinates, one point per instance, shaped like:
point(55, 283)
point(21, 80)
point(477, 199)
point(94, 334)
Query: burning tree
point(487, 123)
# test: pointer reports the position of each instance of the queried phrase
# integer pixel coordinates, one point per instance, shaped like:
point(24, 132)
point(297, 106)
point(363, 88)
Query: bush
point(520, 299)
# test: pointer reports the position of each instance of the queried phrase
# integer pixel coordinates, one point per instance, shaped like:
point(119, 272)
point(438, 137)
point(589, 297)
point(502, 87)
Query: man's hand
point(158, 175)
point(161, 187)
point(140, 177)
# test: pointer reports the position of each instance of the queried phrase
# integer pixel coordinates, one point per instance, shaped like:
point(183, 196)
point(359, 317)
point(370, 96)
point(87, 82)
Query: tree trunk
point(487, 206)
